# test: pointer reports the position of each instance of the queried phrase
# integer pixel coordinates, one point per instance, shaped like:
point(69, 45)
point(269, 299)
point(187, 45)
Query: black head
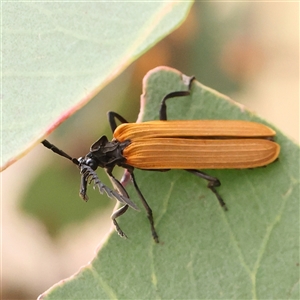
point(88, 164)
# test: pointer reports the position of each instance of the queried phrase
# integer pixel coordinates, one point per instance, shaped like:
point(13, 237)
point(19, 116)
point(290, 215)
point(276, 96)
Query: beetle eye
point(92, 163)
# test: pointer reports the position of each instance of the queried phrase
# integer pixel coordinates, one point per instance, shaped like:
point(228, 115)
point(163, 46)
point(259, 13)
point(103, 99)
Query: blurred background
point(246, 50)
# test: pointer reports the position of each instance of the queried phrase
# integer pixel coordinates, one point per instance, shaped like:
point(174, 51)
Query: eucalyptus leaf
point(57, 55)
point(249, 252)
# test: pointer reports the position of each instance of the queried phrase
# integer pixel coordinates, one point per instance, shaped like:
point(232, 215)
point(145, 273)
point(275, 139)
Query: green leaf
point(58, 55)
point(249, 252)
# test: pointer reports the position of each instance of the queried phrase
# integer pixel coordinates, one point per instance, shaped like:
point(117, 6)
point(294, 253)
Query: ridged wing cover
point(192, 128)
point(204, 144)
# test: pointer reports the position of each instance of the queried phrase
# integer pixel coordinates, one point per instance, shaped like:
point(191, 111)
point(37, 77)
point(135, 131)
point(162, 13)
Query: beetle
point(162, 145)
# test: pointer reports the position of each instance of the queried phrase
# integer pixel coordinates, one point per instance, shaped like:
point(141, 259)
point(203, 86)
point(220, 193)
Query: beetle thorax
point(105, 154)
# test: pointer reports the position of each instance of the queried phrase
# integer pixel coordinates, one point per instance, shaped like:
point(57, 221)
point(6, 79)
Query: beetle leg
point(119, 187)
point(112, 116)
point(213, 182)
point(117, 214)
point(163, 106)
point(147, 207)
point(116, 183)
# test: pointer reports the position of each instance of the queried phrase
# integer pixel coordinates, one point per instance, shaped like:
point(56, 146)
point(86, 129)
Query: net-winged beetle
point(163, 145)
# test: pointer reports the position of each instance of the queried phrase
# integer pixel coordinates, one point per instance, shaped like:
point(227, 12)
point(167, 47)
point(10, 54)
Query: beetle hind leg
point(213, 182)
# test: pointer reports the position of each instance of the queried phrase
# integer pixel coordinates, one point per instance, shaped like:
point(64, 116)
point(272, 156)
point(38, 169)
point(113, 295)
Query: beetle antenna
point(59, 152)
point(90, 176)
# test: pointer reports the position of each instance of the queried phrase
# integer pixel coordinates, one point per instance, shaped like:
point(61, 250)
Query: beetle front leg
point(112, 116)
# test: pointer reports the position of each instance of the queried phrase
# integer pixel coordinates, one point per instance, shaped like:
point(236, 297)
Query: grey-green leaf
point(57, 55)
point(249, 252)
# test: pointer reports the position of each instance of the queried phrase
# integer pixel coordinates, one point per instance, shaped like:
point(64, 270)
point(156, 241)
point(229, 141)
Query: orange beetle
point(163, 145)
